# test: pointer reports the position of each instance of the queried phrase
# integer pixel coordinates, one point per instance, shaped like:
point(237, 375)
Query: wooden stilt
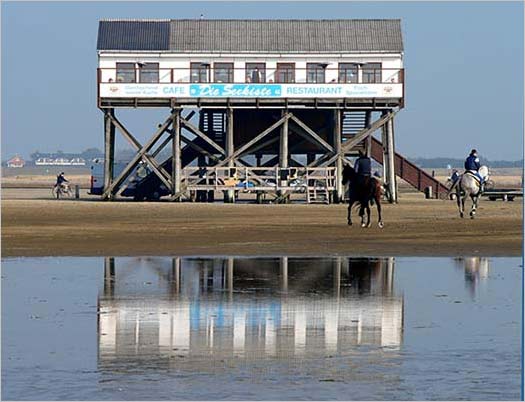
point(109, 153)
point(258, 161)
point(368, 121)
point(338, 194)
point(385, 157)
point(176, 154)
point(391, 159)
point(230, 194)
point(283, 153)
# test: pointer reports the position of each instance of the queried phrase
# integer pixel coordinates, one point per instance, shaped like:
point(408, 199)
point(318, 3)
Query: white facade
point(174, 76)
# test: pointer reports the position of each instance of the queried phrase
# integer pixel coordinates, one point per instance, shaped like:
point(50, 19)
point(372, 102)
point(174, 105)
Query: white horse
point(469, 185)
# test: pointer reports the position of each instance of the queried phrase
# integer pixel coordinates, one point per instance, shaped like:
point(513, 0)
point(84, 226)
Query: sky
point(463, 65)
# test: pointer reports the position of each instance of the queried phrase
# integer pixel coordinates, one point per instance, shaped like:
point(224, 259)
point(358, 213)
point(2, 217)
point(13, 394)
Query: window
point(223, 72)
point(126, 72)
point(347, 73)
point(149, 72)
point(285, 73)
point(371, 73)
point(255, 72)
point(200, 72)
point(315, 73)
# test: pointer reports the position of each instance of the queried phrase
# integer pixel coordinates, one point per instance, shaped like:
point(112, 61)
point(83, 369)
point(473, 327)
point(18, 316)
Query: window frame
point(201, 69)
point(279, 69)
point(228, 67)
point(316, 68)
point(371, 75)
point(344, 68)
point(123, 70)
point(249, 67)
point(146, 70)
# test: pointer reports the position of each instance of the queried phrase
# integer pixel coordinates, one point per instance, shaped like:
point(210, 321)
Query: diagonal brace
point(312, 133)
point(140, 154)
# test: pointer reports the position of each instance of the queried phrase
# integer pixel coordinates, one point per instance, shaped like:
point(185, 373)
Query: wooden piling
point(109, 151)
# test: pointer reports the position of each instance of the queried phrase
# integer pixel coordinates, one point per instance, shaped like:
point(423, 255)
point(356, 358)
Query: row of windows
point(255, 72)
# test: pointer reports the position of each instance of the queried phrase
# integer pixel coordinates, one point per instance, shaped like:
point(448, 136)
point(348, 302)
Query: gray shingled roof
point(133, 35)
point(252, 36)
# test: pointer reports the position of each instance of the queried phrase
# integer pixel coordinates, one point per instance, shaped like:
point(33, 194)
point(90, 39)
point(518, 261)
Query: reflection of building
point(476, 271)
point(193, 311)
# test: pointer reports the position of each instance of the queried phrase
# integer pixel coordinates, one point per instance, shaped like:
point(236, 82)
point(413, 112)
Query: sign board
point(269, 90)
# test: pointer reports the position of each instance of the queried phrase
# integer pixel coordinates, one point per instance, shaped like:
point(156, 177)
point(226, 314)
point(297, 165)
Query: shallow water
point(266, 328)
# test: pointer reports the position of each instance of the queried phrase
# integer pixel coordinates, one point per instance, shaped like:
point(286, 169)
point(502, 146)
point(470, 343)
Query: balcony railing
point(298, 83)
point(336, 75)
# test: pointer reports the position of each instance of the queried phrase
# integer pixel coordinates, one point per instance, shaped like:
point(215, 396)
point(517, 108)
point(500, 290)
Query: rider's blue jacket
point(61, 179)
point(363, 166)
point(472, 163)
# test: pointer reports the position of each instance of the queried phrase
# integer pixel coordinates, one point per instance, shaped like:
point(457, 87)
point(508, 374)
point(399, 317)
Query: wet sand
point(38, 226)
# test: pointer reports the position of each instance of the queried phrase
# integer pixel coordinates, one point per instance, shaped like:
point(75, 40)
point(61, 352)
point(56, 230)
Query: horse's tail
point(453, 187)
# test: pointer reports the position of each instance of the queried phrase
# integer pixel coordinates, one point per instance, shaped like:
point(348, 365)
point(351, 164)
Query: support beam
point(140, 154)
point(252, 142)
point(339, 188)
point(283, 151)
point(368, 120)
point(202, 135)
point(230, 194)
point(176, 168)
point(328, 159)
point(312, 133)
point(155, 166)
point(109, 152)
point(392, 182)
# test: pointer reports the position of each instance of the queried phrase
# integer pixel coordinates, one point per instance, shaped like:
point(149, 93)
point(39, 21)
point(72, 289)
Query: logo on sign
point(235, 90)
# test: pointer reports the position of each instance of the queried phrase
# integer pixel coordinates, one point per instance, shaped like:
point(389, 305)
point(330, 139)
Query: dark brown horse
point(363, 190)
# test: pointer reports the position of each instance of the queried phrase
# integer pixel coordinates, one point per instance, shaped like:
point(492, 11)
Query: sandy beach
point(35, 225)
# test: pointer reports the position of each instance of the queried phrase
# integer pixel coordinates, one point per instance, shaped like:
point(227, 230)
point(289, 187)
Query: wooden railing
point(295, 179)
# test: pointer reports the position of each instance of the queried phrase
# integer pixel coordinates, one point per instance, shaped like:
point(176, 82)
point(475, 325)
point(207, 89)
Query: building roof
point(251, 36)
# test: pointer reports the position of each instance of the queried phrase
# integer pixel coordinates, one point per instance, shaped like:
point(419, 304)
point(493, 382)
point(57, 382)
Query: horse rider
point(472, 165)
point(363, 167)
point(61, 179)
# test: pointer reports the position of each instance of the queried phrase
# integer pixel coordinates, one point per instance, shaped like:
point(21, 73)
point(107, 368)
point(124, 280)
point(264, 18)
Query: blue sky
point(464, 69)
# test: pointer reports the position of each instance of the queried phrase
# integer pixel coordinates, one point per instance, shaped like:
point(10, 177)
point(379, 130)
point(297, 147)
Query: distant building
point(60, 161)
point(16, 162)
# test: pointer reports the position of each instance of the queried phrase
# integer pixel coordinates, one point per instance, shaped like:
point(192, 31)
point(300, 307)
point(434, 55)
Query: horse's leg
point(378, 204)
point(474, 205)
point(349, 216)
point(459, 201)
point(367, 215)
point(362, 215)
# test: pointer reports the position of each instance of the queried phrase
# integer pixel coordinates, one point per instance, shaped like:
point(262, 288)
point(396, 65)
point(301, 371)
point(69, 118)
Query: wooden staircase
point(409, 172)
point(353, 122)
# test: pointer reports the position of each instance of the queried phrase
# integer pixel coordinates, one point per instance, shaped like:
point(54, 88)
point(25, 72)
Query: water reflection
point(476, 272)
point(211, 310)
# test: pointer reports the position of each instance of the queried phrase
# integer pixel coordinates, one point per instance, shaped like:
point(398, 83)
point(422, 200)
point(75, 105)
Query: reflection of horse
point(362, 190)
point(469, 185)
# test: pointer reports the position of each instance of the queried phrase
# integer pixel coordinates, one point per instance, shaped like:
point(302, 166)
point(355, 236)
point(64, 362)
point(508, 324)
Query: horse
point(364, 192)
point(469, 185)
